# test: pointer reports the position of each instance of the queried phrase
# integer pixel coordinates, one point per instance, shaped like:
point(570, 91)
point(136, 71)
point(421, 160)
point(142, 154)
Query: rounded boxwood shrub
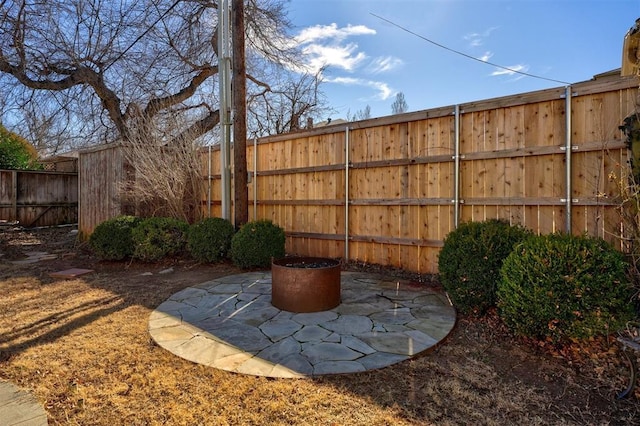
point(111, 240)
point(16, 152)
point(210, 239)
point(470, 261)
point(256, 243)
point(563, 286)
point(158, 237)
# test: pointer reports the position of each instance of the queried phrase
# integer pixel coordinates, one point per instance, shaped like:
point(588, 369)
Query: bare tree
point(116, 63)
point(136, 70)
point(282, 106)
point(46, 118)
point(400, 104)
point(121, 61)
point(164, 179)
point(363, 114)
point(46, 125)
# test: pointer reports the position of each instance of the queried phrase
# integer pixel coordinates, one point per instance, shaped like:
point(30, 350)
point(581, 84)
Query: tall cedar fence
point(38, 198)
point(388, 190)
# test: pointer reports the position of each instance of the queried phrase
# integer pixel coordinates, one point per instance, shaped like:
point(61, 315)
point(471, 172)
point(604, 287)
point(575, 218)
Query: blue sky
point(369, 60)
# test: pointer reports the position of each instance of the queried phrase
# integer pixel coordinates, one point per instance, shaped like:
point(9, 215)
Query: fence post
point(346, 195)
point(456, 168)
point(209, 183)
point(568, 148)
point(255, 178)
point(14, 191)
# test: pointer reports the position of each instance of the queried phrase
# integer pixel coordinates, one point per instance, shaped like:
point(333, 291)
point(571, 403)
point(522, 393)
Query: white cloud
point(477, 39)
point(384, 92)
point(385, 64)
point(487, 55)
point(474, 40)
point(326, 46)
point(511, 70)
point(345, 57)
point(331, 32)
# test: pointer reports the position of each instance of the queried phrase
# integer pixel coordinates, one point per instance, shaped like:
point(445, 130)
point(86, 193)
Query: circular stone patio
point(230, 324)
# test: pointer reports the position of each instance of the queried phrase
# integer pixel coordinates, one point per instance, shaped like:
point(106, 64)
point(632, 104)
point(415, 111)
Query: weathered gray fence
point(38, 198)
point(102, 172)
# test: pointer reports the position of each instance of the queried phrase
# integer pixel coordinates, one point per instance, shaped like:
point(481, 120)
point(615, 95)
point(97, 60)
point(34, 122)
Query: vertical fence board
point(38, 198)
point(101, 172)
point(401, 205)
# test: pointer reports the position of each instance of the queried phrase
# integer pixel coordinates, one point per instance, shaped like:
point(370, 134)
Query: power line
point(144, 33)
point(466, 55)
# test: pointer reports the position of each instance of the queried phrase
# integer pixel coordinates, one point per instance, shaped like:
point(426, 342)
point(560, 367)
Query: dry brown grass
point(82, 347)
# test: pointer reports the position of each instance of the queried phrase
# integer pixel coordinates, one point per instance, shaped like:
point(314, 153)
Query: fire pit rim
point(285, 262)
point(290, 289)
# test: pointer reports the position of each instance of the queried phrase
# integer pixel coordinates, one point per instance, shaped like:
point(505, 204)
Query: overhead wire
point(467, 55)
point(144, 33)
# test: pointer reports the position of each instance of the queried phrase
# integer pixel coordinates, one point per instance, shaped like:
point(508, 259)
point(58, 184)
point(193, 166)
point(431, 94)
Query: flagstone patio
point(230, 324)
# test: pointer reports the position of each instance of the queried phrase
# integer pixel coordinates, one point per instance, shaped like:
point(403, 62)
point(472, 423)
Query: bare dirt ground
point(81, 345)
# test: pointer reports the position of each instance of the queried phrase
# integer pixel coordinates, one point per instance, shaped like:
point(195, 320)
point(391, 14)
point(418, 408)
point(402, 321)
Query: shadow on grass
point(36, 309)
point(42, 334)
point(470, 379)
point(475, 379)
point(476, 375)
point(36, 327)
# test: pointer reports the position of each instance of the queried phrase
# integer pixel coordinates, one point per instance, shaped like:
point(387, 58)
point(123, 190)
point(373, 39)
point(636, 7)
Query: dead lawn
point(82, 347)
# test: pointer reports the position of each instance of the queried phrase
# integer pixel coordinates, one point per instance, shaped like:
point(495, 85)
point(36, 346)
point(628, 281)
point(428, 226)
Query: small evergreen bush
point(111, 240)
point(16, 152)
point(256, 243)
point(210, 239)
point(562, 286)
point(470, 260)
point(158, 237)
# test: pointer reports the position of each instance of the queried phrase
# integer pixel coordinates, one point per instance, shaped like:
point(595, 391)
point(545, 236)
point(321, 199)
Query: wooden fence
point(102, 171)
point(388, 190)
point(38, 198)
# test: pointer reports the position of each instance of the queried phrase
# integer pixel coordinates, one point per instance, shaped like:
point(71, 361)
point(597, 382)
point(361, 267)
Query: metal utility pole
point(224, 64)
point(241, 192)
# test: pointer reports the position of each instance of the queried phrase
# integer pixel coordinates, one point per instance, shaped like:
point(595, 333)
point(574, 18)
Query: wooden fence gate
point(38, 198)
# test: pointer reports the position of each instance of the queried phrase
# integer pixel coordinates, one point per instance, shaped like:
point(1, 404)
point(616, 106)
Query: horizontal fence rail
point(389, 190)
point(38, 198)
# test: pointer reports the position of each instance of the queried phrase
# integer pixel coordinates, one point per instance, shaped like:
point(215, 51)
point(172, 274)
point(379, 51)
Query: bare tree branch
point(182, 95)
point(108, 68)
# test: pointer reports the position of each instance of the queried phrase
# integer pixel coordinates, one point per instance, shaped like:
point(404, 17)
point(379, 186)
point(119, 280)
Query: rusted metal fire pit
point(305, 284)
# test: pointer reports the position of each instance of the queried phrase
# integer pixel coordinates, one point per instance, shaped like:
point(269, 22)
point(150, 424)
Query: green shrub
point(210, 239)
point(16, 152)
point(470, 260)
point(158, 237)
point(563, 286)
point(111, 240)
point(256, 243)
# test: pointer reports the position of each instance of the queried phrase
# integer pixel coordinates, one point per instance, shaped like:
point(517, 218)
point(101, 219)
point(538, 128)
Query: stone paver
point(230, 324)
point(18, 407)
point(34, 257)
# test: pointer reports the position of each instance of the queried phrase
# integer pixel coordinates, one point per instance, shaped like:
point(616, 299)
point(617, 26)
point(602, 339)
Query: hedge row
point(210, 240)
point(554, 286)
